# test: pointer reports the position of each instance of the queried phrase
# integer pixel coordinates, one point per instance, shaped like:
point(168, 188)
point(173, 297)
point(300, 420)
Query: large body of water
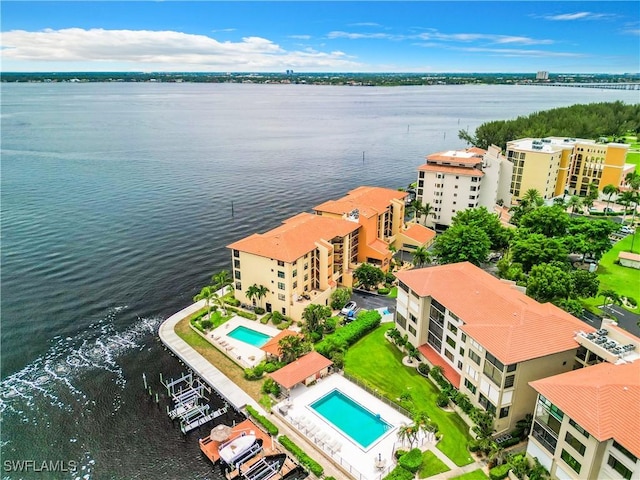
point(116, 207)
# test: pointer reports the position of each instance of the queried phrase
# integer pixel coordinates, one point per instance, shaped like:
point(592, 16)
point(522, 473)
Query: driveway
point(627, 320)
point(370, 301)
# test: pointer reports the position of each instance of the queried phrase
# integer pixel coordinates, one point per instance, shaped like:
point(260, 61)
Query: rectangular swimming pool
point(351, 418)
point(250, 336)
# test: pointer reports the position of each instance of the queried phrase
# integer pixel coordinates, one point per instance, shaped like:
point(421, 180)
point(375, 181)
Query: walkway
point(200, 365)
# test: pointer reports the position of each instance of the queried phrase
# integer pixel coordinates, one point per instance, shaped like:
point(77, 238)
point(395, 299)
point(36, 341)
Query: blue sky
point(324, 36)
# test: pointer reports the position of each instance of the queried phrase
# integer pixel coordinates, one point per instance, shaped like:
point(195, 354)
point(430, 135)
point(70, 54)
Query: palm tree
point(426, 210)
point(416, 207)
point(407, 432)
point(252, 292)
point(292, 347)
point(575, 203)
point(421, 256)
point(533, 198)
point(261, 292)
point(612, 296)
point(221, 279)
point(626, 198)
point(205, 294)
point(610, 190)
point(496, 453)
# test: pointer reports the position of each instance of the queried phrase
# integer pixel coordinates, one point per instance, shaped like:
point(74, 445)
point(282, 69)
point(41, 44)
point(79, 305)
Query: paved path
point(200, 365)
point(455, 470)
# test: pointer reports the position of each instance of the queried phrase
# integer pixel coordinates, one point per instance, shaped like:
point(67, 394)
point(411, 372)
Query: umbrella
point(220, 433)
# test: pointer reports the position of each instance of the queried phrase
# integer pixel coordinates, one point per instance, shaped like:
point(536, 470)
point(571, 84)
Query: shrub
point(268, 426)
point(276, 318)
point(270, 386)
point(442, 400)
point(330, 324)
point(339, 298)
point(284, 325)
point(243, 314)
point(206, 324)
point(400, 473)
point(259, 310)
point(271, 367)
point(423, 368)
point(254, 373)
point(350, 333)
point(384, 291)
point(411, 461)
point(305, 460)
point(499, 472)
point(234, 302)
point(400, 453)
point(632, 301)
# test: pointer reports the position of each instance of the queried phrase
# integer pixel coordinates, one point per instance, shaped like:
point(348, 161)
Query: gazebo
point(305, 370)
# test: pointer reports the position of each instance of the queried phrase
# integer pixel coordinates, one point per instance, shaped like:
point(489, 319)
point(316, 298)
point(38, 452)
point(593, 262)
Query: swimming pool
point(250, 336)
point(351, 418)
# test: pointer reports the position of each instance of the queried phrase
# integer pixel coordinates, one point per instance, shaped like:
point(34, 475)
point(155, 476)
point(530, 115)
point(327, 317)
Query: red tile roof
point(468, 157)
point(295, 237)
point(272, 346)
point(431, 167)
point(435, 359)
point(512, 326)
point(604, 399)
point(304, 367)
point(368, 200)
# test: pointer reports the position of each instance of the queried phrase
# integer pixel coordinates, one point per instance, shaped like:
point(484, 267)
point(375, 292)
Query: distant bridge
point(608, 86)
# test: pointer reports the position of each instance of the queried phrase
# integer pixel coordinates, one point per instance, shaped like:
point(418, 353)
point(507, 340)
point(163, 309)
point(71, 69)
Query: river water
point(117, 202)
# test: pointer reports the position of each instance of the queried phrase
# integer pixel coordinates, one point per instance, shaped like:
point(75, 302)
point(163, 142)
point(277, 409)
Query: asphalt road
point(370, 301)
point(627, 320)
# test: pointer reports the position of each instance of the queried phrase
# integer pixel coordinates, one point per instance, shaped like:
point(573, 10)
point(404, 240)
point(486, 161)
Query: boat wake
point(54, 377)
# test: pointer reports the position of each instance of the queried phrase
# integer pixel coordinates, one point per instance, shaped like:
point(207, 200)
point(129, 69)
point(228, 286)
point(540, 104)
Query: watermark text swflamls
point(40, 466)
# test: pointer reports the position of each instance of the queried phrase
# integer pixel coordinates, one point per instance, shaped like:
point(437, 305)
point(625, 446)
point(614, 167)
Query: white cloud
point(359, 36)
point(300, 37)
point(578, 16)
point(443, 37)
point(514, 52)
point(159, 50)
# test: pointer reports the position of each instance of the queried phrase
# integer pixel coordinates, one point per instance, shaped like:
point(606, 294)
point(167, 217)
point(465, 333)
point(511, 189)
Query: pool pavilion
point(306, 370)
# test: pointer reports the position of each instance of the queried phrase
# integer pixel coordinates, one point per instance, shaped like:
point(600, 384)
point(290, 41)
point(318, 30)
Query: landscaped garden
point(378, 363)
point(474, 475)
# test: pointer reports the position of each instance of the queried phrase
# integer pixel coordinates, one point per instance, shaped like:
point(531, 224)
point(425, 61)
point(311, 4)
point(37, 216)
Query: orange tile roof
point(434, 358)
point(380, 246)
point(295, 237)
point(368, 200)
point(304, 367)
point(272, 346)
point(431, 167)
point(419, 233)
point(604, 399)
point(512, 326)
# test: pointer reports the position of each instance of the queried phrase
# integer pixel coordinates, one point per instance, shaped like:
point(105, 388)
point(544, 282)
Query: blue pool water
point(351, 418)
point(250, 336)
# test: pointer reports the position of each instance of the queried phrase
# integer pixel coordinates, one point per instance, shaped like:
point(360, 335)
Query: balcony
point(545, 437)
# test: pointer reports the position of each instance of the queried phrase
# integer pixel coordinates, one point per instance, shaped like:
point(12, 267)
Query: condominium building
point(299, 262)
point(554, 164)
point(456, 180)
point(490, 338)
point(380, 214)
point(587, 422)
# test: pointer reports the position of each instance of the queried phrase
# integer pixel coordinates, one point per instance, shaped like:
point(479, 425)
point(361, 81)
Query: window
point(452, 328)
point(413, 318)
point(569, 460)
point(462, 351)
point(614, 463)
point(512, 367)
point(463, 337)
point(412, 330)
point(295, 285)
point(306, 277)
point(236, 274)
point(583, 431)
point(448, 354)
point(236, 253)
point(295, 273)
point(488, 406)
point(575, 443)
point(281, 297)
point(451, 341)
point(306, 266)
point(238, 286)
point(236, 264)
point(474, 356)
point(280, 274)
point(504, 412)
point(509, 381)
point(626, 452)
point(280, 285)
point(401, 321)
point(459, 365)
point(470, 386)
point(280, 263)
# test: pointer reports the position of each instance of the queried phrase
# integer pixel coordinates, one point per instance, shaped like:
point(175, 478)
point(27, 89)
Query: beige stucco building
point(490, 339)
point(456, 180)
point(587, 421)
point(552, 165)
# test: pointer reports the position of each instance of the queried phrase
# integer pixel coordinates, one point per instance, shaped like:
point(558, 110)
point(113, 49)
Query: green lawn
point(623, 280)
point(378, 363)
point(393, 293)
point(475, 475)
point(431, 465)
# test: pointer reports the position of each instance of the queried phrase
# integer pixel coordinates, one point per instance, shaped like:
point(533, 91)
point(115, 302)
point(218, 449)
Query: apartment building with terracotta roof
point(587, 421)
point(379, 212)
point(552, 165)
point(300, 262)
point(456, 180)
point(490, 338)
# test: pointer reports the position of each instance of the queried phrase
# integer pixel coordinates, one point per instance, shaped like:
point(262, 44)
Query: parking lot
point(370, 301)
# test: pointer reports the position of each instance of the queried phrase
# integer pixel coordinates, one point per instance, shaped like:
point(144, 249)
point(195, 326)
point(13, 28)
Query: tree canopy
point(368, 276)
point(462, 243)
point(486, 221)
point(592, 120)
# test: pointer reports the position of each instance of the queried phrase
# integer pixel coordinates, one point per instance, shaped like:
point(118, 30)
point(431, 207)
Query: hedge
point(411, 461)
point(270, 427)
point(349, 334)
point(499, 472)
point(400, 473)
point(305, 460)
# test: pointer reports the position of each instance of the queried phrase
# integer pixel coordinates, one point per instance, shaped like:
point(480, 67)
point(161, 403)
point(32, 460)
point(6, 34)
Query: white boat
point(234, 449)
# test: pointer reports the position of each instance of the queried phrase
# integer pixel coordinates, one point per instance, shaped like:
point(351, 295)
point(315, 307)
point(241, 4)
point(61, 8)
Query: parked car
point(349, 307)
point(626, 229)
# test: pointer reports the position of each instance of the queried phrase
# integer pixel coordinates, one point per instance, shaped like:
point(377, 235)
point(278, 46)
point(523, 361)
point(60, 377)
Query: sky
point(321, 36)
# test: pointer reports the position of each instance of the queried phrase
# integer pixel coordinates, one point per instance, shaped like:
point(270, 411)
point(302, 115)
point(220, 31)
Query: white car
point(626, 229)
point(350, 306)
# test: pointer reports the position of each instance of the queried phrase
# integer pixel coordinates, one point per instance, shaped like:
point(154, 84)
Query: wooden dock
point(210, 447)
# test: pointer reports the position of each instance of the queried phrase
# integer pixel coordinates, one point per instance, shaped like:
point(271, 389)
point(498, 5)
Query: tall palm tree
point(261, 292)
point(575, 203)
point(610, 190)
point(533, 198)
point(421, 256)
point(426, 210)
point(415, 206)
point(205, 294)
point(221, 279)
point(252, 292)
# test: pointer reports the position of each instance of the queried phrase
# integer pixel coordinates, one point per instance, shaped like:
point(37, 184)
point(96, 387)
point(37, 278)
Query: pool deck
point(245, 355)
